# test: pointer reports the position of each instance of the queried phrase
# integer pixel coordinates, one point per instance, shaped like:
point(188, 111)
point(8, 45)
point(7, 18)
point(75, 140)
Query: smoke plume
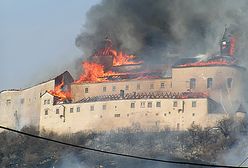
point(154, 29)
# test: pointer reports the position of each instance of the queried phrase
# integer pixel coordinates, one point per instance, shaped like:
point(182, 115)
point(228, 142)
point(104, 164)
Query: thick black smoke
point(155, 29)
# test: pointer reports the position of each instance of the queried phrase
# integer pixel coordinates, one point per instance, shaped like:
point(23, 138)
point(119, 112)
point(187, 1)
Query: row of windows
point(165, 114)
point(209, 83)
point(158, 104)
point(142, 105)
point(115, 115)
point(104, 88)
point(149, 104)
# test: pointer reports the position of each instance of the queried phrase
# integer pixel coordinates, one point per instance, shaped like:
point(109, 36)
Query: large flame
point(59, 93)
point(93, 72)
point(120, 58)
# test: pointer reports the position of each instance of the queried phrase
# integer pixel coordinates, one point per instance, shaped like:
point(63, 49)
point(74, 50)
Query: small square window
point(57, 111)
point(92, 108)
point(104, 107)
point(149, 104)
point(117, 115)
point(169, 112)
point(158, 104)
point(142, 104)
point(152, 86)
point(175, 104)
point(48, 101)
point(193, 114)
point(164, 114)
point(138, 86)
point(132, 105)
point(46, 112)
point(86, 90)
point(114, 88)
point(78, 109)
point(104, 89)
point(71, 110)
point(156, 114)
point(162, 85)
point(127, 87)
point(193, 103)
point(45, 102)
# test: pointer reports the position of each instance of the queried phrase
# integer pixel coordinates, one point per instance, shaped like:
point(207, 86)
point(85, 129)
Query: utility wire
point(243, 161)
point(116, 154)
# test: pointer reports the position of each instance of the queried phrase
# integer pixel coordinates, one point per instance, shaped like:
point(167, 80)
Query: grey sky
point(37, 39)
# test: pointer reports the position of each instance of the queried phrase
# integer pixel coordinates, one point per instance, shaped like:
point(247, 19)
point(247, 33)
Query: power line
point(114, 153)
point(243, 161)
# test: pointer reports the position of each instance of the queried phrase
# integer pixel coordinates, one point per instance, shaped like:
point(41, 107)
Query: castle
point(197, 91)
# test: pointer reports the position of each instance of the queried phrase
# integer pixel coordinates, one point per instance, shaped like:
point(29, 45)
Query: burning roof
point(109, 64)
point(207, 61)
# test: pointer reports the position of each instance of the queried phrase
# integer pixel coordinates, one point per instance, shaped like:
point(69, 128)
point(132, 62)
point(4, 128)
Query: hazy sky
point(37, 39)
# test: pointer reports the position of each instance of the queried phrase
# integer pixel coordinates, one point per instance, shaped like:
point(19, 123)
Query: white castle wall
point(108, 115)
point(19, 108)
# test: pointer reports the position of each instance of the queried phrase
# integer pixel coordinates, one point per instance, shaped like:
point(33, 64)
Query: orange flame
point(121, 58)
point(202, 63)
point(94, 72)
point(59, 93)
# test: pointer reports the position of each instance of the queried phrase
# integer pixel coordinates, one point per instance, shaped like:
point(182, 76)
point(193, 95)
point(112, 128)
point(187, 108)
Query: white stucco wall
point(99, 119)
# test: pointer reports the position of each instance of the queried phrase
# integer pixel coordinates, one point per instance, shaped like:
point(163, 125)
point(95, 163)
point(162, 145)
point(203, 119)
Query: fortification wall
point(19, 108)
point(224, 84)
point(175, 114)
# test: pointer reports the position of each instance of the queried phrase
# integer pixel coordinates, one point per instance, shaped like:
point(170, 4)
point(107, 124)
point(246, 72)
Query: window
point(193, 103)
point(46, 112)
point(229, 82)
point(91, 108)
point(104, 89)
point(57, 111)
point(193, 114)
point(192, 83)
point(45, 102)
point(209, 83)
point(165, 114)
point(22, 101)
point(78, 109)
point(127, 87)
point(162, 85)
point(158, 104)
point(113, 88)
point(86, 90)
point(117, 115)
point(149, 104)
point(156, 114)
point(152, 86)
point(104, 106)
point(8, 101)
point(178, 126)
point(132, 105)
point(138, 86)
point(175, 104)
point(48, 101)
point(142, 104)
point(71, 110)
point(169, 112)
